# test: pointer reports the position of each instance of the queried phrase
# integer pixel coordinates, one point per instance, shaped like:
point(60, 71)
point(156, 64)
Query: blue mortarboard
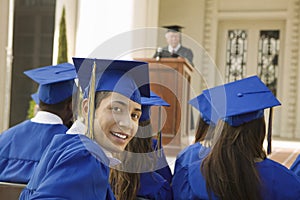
point(241, 101)
point(154, 100)
point(147, 102)
point(207, 112)
point(35, 98)
point(129, 78)
point(55, 82)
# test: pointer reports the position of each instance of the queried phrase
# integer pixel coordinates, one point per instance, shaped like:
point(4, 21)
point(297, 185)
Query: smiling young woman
point(76, 166)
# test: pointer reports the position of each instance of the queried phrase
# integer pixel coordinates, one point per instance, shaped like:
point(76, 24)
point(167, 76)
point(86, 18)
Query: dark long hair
point(201, 130)
point(229, 169)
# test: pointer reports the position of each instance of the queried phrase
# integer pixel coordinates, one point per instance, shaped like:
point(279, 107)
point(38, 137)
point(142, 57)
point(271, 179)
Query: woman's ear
point(85, 107)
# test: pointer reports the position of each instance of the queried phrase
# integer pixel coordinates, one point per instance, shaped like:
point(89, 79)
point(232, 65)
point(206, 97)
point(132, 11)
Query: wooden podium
point(170, 78)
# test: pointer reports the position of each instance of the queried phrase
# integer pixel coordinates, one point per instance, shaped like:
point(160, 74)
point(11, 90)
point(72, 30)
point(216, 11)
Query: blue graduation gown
point(73, 167)
point(190, 154)
point(162, 165)
point(21, 148)
point(278, 182)
point(296, 166)
point(154, 186)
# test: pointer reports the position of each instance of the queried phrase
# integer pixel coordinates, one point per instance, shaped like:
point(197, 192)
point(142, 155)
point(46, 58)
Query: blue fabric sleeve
point(69, 171)
point(180, 185)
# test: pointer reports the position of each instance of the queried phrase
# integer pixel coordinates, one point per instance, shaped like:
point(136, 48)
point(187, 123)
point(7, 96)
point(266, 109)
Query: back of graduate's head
point(206, 120)
point(233, 155)
point(247, 138)
point(62, 109)
point(201, 130)
point(56, 87)
point(241, 131)
point(242, 101)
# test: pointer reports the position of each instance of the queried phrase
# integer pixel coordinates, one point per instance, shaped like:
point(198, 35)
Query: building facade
point(239, 38)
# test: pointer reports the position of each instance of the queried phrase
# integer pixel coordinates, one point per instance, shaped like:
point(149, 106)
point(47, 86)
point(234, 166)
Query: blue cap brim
point(207, 112)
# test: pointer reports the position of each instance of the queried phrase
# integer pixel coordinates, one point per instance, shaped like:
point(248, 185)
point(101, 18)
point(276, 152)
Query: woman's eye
point(136, 116)
point(116, 109)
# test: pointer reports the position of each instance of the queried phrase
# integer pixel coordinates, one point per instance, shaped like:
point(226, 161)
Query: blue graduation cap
point(147, 102)
point(153, 100)
point(241, 101)
point(129, 78)
point(55, 82)
point(207, 112)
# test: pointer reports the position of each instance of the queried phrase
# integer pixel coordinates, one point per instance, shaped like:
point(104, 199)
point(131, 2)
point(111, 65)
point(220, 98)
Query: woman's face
point(116, 121)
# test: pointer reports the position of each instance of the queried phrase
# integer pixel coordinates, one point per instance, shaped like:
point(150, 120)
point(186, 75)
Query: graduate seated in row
point(76, 166)
point(144, 171)
point(23, 144)
point(237, 166)
point(295, 167)
point(203, 135)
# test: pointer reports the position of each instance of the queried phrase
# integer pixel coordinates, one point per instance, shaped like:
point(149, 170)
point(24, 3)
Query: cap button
point(239, 94)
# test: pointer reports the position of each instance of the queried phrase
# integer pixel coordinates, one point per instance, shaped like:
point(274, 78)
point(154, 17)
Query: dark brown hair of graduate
point(201, 130)
point(99, 96)
point(62, 109)
point(229, 169)
point(125, 185)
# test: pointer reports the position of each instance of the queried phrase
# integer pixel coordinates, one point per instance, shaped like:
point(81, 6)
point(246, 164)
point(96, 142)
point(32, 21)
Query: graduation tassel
point(91, 105)
point(269, 135)
point(159, 137)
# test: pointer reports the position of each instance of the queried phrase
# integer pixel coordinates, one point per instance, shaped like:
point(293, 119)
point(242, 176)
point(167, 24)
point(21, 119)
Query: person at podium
point(174, 48)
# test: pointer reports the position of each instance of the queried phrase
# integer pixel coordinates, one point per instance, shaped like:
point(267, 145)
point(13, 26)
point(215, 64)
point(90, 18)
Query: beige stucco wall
point(186, 13)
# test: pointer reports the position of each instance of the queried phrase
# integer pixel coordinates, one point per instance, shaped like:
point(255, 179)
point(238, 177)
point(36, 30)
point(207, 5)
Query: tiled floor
point(283, 151)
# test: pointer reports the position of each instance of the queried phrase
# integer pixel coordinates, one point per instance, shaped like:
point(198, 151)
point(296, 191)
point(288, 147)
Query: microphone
point(158, 53)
